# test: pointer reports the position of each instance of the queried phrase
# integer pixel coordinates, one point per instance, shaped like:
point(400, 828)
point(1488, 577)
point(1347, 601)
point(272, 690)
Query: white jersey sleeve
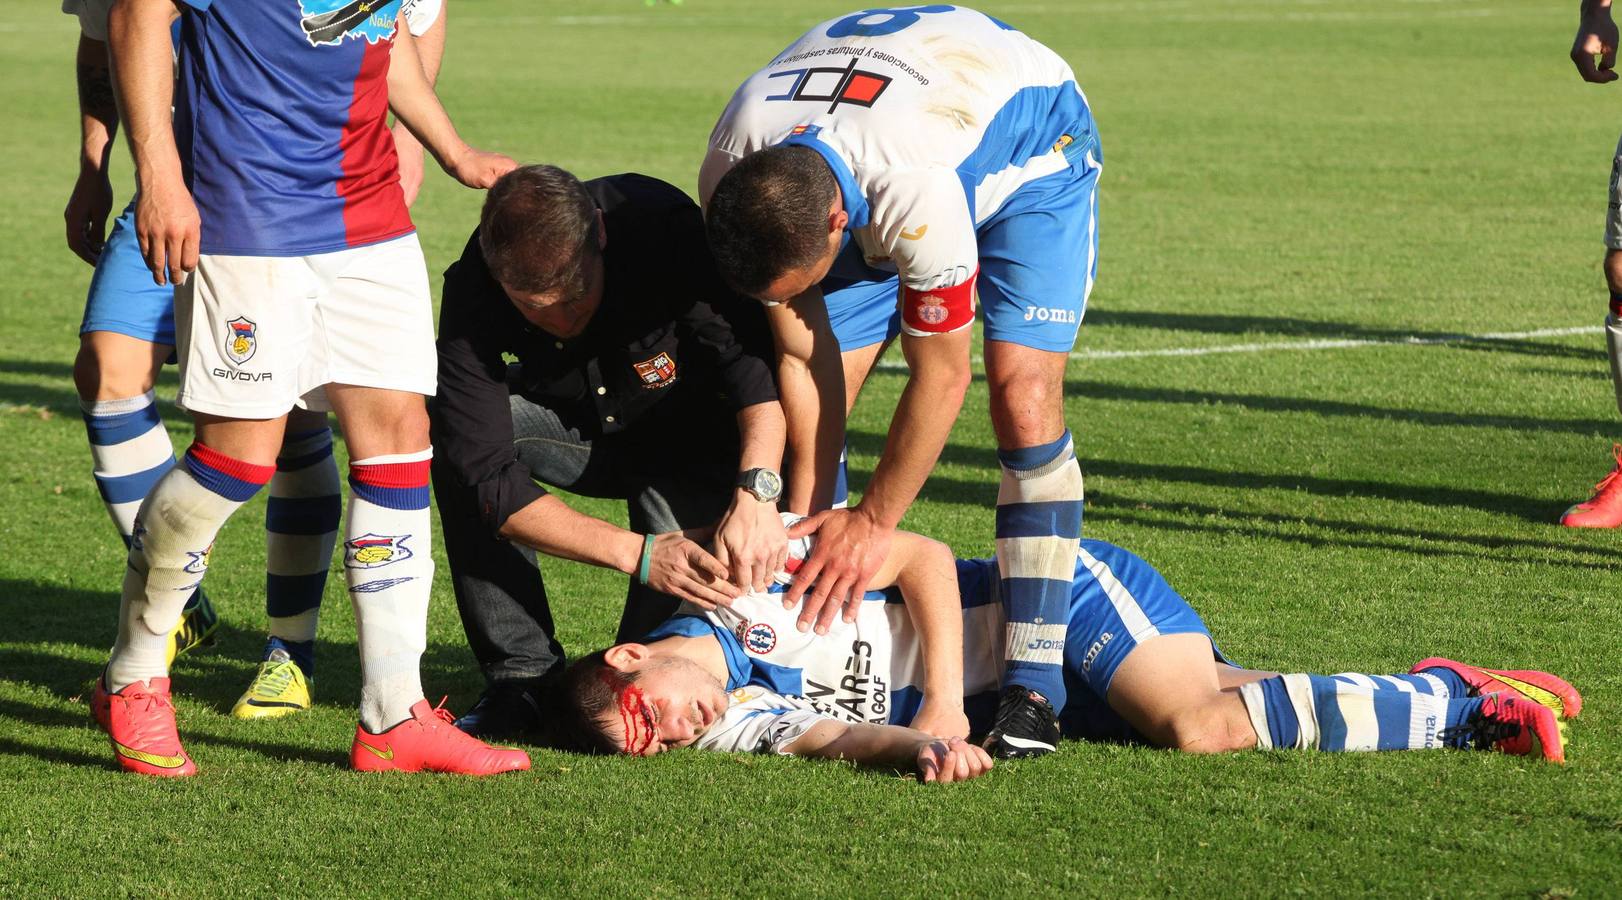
point(922, 225)
point(421, 14)
point(92, 16)
point(759, 721)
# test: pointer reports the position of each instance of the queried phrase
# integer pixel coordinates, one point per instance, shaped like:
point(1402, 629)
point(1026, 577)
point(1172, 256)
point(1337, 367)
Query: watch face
point(769, 483)
point(765, 484)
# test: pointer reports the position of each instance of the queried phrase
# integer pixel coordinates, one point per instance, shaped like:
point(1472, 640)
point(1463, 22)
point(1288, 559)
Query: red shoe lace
point(444, 714)
point(145, 725)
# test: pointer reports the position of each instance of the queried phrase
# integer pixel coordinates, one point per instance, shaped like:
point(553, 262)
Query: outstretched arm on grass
point(891, 746)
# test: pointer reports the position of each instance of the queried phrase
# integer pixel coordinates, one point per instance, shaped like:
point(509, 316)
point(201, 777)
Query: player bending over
point(1139, 661)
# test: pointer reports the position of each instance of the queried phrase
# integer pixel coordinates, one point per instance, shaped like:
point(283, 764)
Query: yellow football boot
point(279, 689)
point(198, 622)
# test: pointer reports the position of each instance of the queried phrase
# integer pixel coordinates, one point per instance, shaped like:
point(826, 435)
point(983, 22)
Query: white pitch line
point(1324, 344)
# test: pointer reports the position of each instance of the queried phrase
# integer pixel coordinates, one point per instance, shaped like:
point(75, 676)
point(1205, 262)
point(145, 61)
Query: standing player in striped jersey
point(1594, 52)
point(126, 336)
point(882, 172)
point(273, 204)
point(1140, 663)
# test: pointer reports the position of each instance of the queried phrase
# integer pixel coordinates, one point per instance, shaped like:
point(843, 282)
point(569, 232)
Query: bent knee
point(1208, 730)
point(103, 374)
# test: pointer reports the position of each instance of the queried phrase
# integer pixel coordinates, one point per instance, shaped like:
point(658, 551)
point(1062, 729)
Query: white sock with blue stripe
point(1038, 531)
point(388, 557)
point(1351, 712)
point(302, 516)
point(130, 450)
point(169, 553)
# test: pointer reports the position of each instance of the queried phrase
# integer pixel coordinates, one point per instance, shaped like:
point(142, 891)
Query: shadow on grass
point(1216, 323)
point(64, 400)
point(946, 489)
point(1101, 390)
point(68, 630)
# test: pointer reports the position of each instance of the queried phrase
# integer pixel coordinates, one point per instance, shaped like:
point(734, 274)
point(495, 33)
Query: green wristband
point(647, 559)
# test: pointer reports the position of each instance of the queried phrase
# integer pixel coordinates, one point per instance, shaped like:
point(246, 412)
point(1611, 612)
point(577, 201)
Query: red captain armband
point(938, 311)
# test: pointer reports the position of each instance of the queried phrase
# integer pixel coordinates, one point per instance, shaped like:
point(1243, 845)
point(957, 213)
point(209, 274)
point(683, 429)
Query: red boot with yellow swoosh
point(140, 720)
point(429, 742)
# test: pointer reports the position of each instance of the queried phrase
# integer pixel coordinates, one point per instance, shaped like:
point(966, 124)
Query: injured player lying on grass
point(889, 690)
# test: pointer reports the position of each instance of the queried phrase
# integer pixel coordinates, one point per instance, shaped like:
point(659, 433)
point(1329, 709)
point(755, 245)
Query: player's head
point(542, 238)
point(632, 699)
point(775, 222)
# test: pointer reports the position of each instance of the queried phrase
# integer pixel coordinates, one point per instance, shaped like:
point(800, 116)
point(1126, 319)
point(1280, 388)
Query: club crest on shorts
point(371, 551)
point(932, 309)
point(241, 339)
point(760, 638)
point(658, 372)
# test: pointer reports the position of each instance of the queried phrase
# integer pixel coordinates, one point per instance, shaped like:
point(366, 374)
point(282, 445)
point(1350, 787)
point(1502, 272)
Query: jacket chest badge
point(657, 372)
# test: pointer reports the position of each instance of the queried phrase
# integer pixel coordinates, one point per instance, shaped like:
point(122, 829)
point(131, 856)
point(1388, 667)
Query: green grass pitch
point(1279, 172)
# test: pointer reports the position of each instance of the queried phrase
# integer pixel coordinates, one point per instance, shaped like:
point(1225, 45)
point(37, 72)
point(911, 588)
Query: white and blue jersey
point(871, 670)
point(967, 159)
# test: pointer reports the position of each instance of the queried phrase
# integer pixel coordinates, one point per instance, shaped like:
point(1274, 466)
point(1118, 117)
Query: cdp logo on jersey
point(371, 551)
point(850, 85)
point(241, 339)
point(760, 639)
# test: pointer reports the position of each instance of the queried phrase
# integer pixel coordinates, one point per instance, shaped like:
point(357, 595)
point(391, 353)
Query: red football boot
point(1604, 509)
point(140, 720)
point(1529, 684)
point(1517, 727)
point(429, 742)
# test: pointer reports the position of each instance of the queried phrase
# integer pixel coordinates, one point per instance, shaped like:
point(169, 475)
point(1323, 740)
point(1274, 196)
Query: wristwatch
point(765, 484)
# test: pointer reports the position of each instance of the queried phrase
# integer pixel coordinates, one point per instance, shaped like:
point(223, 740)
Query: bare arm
point(926, 574)
point(891, 746)
point(92, 197)
point(430, 53)
point(1596, 37)
point(166, 221)
point(412, 98)
point(679, 567)
point(852, 544)
point(811, 383)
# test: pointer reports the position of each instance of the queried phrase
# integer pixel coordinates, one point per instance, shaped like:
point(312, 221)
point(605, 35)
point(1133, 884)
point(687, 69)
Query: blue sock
point(1328, 713)
point(1456, 686)
point(1038, 532)
point(301, 528)
point(841, 497)
point(1437, 682)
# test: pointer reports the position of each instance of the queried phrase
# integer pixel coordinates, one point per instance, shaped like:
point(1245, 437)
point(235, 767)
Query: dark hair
point(769, 215)
point(538, 229)
point(590, 690)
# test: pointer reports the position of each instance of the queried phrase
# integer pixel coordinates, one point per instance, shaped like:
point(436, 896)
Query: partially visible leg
point(1604, 508)
point(858, 364)
point(301, 528)
point(1039, 510)
point(388, 544)
point(1171, 689)
point(129, 445)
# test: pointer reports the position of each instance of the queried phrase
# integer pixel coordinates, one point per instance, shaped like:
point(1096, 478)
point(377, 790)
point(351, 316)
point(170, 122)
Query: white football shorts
point(258, 335)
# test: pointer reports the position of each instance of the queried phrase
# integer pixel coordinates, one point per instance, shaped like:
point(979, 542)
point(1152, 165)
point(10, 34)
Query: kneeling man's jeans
point(669, 482)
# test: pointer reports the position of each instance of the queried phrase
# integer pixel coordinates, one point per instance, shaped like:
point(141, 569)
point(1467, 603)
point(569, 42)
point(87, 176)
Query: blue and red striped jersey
point(281, 119)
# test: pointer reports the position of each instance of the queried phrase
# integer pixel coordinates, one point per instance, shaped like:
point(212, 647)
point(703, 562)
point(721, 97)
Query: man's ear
point(624, 658)
point(837, 217)
point(602, 232)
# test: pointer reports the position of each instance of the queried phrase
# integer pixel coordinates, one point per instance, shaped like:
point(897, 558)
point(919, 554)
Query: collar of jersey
point(850, 194)
point(687, 625)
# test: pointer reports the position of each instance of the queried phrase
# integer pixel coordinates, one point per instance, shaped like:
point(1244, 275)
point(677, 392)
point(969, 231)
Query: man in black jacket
point(586, 341)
